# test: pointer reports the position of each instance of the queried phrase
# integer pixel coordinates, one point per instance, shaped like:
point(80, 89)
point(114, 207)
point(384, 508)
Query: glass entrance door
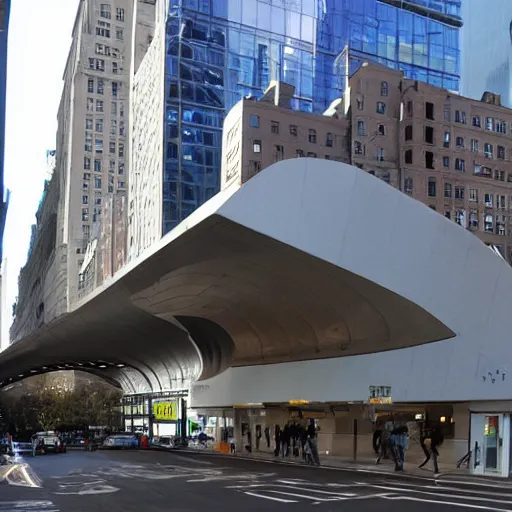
point(491, 456)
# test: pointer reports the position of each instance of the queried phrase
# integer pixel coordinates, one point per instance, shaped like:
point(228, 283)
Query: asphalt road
point(185, 482)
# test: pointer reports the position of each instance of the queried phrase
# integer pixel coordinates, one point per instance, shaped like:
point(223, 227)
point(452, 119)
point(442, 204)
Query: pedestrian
point(277, 437)
point(384, 445)
point(400, 443)
point(313, 441)
point(431, 441)
point(232, 445)
point(267, 436)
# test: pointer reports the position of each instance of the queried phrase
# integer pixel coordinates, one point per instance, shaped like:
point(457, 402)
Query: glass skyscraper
point(219, 51)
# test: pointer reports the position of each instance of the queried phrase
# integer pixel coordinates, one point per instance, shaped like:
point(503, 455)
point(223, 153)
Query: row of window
point(98, 145)
point(99, 65)
point(98, 167)
point(100, 107)
point(103, 30)
point(98, 126)
point(108, 51)
point(98, 183)
point(254, 122)
point(279, 151)
point(474, 146)
point(106, 12)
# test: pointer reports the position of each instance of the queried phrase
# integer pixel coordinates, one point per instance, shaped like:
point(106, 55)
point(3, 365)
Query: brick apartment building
point(452, 153)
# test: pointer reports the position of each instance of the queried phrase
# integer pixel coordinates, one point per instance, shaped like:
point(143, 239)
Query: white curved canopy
point(260, 274)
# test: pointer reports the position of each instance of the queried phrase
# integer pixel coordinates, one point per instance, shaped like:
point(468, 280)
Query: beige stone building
point(257, 134)
point(449, 152)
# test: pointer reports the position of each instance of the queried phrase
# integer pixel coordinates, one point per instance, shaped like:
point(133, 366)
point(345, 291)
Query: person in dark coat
point(277, 434)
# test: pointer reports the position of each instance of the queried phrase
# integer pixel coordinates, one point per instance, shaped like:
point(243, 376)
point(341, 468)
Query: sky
point(39, 40)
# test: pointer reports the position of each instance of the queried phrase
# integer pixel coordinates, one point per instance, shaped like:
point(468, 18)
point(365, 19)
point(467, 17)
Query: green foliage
point(61, 409)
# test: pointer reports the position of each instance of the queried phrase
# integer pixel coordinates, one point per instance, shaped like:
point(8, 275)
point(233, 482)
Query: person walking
point(400, 443)
point(432, 439)
point(313, 441)
point(384, 445)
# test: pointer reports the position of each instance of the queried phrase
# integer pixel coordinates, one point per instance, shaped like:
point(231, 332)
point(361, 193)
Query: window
point(112, 147)
point(429, 110)
point(489, 124)
point(459, 193)
point(474, 145)
point(119, 34)
point(88, 141)
point(115, 87)
point(97, 198)
point(121, 109)
point(429, 134)
point(327, 157)
point(121, 184)
point(500, 126)
point(408, 132)
point(447, 190)
point(97, 165)
point(446, 161)
point(429, 160)
point(100, 65)
point(105, 11)
point(119, 14)
point(410, 108)
point(90, 85)
point(488, 200)
point(448, 214)
point(446, 114)
point(101, 86)
point(432, 187)
point(87, 176)
point(501, 152)
point(112, 166)
point(85, 199)
point(299, 153)
point(98, 145)
point(254, 121)
point(279, 153)
point(88, 124)
point(360, 128)
point(121, 150)
point(90, 104)
point(312, 136)
point(113, 130)
point(360, 104)
point(121, 168)
point(381, 129)
point(99, 105)
point(92, 63)
point(473, 218)
point(460, 117)
point(473, 195)
point(97, 182)
point(488, 150)
point(101, 49)
point(255, 165)
point(459, 142)
point(460, 218)
point(460, 165)
point(381, 107)
point(113, 108)
point(85, 214)
point(488, 226)
point(114, 68)
point(380, 154)
point(383, 88)
point(408, 156)
point(311, 154)
point(87, 163)
point(500, 202)
point(499, 175)
point(99, 125)
point(256, 146)
point(358, 148)
point(408, 186)
point(274, 127)
point(122, 132)
point(475, 121)
point(293, 130)
point(329, 140)
point(446, 140)
point(500, 225)
point(102, 32)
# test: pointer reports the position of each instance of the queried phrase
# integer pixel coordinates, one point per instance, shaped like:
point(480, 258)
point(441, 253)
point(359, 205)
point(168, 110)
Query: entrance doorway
point(490, 444)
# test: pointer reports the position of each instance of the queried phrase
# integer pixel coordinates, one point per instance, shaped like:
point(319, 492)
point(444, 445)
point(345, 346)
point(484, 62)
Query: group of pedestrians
point(394, 442)
point(298, 440)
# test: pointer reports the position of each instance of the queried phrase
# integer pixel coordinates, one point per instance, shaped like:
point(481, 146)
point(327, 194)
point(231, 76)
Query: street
point(186, 481)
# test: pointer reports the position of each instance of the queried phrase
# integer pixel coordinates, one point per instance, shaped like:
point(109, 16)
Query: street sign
point(379, 395)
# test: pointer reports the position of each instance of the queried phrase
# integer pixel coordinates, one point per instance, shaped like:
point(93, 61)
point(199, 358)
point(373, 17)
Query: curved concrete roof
point(260, 274)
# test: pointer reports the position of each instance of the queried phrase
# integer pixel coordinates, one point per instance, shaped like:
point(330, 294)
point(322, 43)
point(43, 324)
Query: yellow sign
point(165, 411)
point(299, 402)
point(386, 400)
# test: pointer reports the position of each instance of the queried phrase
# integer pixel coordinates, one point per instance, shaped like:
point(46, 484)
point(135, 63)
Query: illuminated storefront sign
point(166, 411)
point(380, 395)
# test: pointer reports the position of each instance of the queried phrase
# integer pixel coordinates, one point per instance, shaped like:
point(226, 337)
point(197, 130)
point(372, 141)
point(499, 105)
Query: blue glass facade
point(5, 8)
point(219, 51)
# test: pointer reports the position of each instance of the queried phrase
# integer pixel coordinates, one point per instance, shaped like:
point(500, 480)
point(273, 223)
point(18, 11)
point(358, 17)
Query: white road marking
point(306, 497)
point(27, 506)
point(273, 498)
point(442, 487)
point(451, 503)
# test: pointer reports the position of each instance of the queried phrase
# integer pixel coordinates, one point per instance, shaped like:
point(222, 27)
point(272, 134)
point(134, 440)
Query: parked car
point(166, 442)
point(46, 442)
point(121, 441)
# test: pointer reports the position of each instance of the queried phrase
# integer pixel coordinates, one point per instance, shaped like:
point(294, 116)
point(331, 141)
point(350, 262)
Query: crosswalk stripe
point(440, 502)
point(269, 497)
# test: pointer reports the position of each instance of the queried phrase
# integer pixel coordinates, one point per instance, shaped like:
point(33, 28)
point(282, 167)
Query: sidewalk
point(447, 472)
